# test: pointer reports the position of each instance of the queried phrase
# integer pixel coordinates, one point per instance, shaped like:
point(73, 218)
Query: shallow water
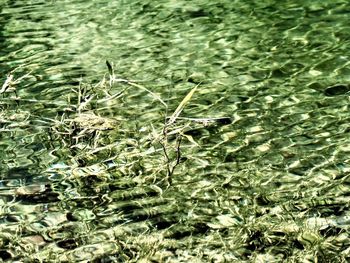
point(257, 187)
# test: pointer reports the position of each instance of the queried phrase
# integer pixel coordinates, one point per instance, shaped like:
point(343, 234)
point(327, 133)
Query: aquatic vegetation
point(10, 82)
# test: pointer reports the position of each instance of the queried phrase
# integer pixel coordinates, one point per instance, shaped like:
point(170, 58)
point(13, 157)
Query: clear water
point(271, 184)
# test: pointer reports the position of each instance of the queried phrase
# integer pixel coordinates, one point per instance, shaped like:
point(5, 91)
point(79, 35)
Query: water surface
point(270, 184)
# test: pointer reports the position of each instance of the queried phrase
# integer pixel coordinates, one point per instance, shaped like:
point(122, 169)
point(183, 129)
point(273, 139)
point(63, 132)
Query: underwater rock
point(67, 244)
point(36, 194)
point(339, 89)
point(5, 255)
point(37, 240)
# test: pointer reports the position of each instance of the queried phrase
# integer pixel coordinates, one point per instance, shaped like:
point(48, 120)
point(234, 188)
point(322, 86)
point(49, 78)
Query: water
point(270, 184)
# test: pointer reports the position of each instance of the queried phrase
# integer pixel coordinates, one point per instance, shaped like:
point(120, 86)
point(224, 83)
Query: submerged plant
point(10, 83)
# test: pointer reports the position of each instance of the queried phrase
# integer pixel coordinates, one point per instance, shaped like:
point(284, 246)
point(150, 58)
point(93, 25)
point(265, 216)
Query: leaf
point(181, 106)
point(110, 68)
